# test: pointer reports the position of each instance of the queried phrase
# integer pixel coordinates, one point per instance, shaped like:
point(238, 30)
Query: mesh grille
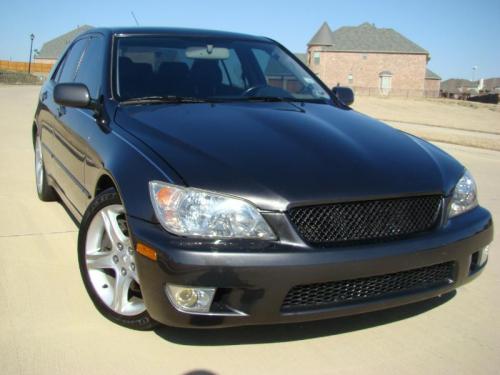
point(342, 292)
point(366, 220)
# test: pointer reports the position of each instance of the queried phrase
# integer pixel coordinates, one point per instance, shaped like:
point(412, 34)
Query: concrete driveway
point(49, 326)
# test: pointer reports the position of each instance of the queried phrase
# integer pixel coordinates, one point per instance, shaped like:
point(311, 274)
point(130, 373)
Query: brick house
point(371, 60)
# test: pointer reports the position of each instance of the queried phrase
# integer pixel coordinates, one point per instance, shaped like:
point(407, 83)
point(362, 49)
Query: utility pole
point(32, 36)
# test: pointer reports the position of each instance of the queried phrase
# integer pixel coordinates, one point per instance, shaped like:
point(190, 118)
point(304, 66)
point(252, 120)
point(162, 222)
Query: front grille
point(304, 297)
point(365, 220)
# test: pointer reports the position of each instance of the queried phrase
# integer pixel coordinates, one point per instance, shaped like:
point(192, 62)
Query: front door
point(67, 157)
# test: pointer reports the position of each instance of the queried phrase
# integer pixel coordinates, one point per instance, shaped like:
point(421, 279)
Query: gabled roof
point(53, 48)
point(364, 38)
point(323, 36)
point(429, 74)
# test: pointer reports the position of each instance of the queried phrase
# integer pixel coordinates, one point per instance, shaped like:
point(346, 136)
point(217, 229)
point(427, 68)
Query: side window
point(91, 66)
point(68, 69)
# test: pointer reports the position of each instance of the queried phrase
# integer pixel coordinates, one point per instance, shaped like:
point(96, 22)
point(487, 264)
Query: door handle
point(44, 96)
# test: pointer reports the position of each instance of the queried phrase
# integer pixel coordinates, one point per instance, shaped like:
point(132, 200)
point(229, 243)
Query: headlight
point(197, 213)
point(464, 196)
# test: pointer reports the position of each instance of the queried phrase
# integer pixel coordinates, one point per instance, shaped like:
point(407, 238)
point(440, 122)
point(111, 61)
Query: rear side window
point(69, 67)
point(91, 66)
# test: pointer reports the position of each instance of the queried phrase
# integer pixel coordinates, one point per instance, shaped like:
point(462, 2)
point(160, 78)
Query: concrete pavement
point(49, 325)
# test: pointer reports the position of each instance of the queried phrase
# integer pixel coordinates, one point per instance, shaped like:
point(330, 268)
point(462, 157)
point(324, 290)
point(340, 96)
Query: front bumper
point(255, 277)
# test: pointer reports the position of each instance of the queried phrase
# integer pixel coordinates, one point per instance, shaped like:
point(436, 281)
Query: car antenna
point(135, 18)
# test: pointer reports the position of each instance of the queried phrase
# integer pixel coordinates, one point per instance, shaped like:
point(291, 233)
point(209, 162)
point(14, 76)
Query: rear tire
point(107, 263)
point(45, 192)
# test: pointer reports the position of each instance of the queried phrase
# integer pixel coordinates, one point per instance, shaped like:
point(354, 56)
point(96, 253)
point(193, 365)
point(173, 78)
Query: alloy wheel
point(39, 165)
point(110, 262)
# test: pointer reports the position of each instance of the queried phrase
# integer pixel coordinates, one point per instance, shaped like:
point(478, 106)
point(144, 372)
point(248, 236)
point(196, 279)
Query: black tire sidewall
point(141, 321)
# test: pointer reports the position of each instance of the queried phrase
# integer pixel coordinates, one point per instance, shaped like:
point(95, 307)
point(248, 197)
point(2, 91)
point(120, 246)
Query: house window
point(385, 82)
point(316, 58)
point(350, 79)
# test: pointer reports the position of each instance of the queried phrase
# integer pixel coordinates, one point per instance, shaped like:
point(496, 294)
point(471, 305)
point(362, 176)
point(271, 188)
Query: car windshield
point(203, 69)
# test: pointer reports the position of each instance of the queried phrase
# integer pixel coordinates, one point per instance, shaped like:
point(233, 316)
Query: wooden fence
point(17, 66)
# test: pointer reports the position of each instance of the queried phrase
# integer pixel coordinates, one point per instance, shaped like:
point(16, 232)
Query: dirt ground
point(451, 121)
point(457, 114)
point(49, 326)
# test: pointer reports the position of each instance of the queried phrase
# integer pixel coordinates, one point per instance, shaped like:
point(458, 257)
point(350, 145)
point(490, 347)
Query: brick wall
point(432, 87)
point(408, 71)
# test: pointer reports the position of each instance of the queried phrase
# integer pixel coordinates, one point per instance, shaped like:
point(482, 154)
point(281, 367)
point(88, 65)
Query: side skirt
point(76, 216)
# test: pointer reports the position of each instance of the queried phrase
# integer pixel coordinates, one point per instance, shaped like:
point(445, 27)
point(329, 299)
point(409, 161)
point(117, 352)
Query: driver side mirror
point(72, 95)
point(344, 94)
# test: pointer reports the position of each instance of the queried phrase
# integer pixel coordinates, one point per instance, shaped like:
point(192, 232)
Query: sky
point(459, 34)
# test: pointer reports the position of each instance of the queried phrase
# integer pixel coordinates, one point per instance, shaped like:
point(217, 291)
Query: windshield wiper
point(287, 99)
point(268, 99)
point(163, 99)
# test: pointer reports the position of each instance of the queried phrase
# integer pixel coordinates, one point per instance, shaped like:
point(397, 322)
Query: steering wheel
point(252, 90)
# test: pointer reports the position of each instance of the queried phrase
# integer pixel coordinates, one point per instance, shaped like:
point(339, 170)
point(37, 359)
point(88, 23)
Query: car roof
point(173, 31)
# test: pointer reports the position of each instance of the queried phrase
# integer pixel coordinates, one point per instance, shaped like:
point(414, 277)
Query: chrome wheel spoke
point(120, 297)
point(113, 230)
point(38, 164)
point(100, 260)
point(135, 277)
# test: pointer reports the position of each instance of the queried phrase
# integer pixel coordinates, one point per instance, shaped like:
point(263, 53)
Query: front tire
point(107, 263)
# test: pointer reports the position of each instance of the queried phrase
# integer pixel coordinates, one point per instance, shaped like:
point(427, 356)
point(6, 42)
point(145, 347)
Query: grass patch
point(19, 78)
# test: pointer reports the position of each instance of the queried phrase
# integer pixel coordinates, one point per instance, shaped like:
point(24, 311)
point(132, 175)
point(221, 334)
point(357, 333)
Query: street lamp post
point(32, 36)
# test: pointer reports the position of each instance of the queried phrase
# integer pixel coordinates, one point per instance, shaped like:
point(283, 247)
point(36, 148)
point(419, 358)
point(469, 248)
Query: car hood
point(282, 154)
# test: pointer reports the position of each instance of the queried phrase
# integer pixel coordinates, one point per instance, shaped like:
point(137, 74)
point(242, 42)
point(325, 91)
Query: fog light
point(483, 256)
point(190, 299)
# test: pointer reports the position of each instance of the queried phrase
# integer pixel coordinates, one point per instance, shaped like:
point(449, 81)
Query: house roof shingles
point(302, 57)
point(429, 74)
point(323, 36)
point(456, 85)
point(53, 48)
point(364, 38)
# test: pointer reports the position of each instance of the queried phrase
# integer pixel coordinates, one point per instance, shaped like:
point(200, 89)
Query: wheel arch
point(105, 182)
point(125, 163)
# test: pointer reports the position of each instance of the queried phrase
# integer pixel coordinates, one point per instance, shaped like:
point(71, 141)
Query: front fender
point(131, 165)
